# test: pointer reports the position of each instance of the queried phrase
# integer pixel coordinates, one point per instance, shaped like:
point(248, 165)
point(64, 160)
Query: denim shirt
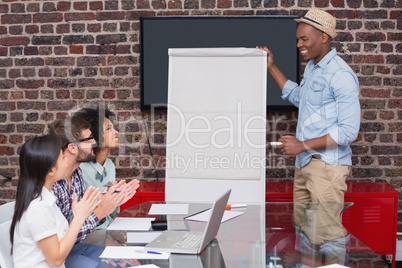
point(328, 102)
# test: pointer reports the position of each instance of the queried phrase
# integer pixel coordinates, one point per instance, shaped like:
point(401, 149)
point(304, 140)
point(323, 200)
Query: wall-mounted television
point(158, 34)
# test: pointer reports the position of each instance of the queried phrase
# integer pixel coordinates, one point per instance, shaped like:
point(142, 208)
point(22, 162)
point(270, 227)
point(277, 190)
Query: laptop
point(211, 257)
point(187, 242)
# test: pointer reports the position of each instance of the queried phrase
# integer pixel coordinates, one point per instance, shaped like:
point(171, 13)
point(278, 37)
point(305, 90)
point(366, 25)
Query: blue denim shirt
point(328, 102)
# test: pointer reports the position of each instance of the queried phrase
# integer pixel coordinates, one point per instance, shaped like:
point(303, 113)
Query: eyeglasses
point(76, 142)
point(84, 139)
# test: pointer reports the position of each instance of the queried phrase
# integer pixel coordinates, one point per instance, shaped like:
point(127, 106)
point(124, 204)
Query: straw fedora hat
point(321, 20)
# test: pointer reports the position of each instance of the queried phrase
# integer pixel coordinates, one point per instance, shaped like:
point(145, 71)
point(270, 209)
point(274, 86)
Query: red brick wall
point(58, 55)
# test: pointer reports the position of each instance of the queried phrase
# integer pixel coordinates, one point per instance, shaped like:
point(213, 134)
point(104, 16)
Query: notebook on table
point(188, 242)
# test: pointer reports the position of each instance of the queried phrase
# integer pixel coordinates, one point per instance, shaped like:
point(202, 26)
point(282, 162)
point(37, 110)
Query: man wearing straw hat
point(329, 113)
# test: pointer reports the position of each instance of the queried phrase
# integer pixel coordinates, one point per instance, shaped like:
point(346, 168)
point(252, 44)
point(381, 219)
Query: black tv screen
point(158, 34)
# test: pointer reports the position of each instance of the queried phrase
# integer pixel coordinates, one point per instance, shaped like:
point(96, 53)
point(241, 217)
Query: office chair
point(7, 212)
point(6, 260)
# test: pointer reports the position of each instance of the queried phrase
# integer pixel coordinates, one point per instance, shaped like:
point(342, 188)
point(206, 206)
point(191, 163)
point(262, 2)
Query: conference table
point(274, 235)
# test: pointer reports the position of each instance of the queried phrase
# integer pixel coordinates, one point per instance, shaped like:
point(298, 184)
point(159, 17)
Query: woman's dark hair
point(95, 116)
point(37, 157)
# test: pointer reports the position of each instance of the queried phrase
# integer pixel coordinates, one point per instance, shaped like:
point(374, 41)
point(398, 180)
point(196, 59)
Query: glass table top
point(276, 235)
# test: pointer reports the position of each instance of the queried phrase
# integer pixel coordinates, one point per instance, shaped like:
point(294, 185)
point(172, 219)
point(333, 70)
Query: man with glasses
point(78, 148)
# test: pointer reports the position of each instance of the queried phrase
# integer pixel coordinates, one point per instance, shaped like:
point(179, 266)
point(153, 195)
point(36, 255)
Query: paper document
point(132, 253)
point(131, 224)
point(146, 266)
point(168, 209)
point(204, 216)
point(333, 266)
point(141, 237)
point(179, 225)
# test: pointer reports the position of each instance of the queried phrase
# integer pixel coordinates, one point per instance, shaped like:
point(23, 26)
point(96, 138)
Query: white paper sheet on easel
point(216, 116)
point(204, 216)
point(131, 224)
point(141, 237)
point(131, 253)
point(216, 124)
point(168, 209)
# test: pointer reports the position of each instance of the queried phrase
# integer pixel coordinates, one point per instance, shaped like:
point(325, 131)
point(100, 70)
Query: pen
point(153, 252)
point(149, 252)
point(228, 207)
point(274, 143)
point(104, 192)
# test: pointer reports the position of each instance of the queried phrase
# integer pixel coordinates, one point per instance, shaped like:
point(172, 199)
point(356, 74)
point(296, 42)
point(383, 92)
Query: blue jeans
point(83, 256)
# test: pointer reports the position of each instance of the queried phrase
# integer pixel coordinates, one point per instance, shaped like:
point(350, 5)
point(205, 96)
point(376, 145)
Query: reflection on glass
point(320, 238)
point(257, 254)
point(296, 235)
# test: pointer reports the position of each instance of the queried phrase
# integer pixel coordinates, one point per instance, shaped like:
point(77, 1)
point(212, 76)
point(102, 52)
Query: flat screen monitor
point(158, 34)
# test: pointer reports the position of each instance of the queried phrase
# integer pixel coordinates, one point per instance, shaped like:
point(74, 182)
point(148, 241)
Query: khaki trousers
point(324, 185)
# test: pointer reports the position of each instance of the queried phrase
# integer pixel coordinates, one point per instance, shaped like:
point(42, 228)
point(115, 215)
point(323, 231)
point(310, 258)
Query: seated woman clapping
point(40, 235)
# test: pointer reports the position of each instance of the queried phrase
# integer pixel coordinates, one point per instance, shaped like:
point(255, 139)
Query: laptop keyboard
point(190, 241)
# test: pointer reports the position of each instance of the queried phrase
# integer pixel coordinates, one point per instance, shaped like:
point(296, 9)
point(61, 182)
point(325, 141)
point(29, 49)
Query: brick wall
point(58, 55)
